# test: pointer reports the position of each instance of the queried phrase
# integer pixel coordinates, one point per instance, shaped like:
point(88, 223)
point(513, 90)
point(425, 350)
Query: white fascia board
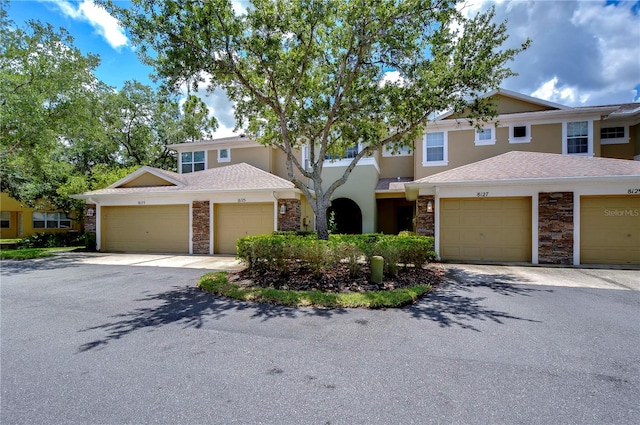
point(550, 180)
point(230, 142)
point(534, 118)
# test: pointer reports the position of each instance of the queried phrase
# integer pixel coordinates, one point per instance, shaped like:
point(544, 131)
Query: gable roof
point(514, 95)
point(517, 166)
point(236, 177)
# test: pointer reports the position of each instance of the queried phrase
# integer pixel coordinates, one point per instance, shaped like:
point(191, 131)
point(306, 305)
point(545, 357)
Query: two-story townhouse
point(417, 189)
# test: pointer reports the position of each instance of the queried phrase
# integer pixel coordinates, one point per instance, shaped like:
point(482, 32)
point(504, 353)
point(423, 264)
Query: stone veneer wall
point(90, 221)
point(290, 220)
point(425, 221)
point(201, 229)
point(555, 228)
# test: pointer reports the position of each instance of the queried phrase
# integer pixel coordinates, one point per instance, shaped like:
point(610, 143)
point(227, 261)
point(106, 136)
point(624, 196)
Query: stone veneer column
point(290, 220)
point(201, 229)
point(555, 228)
point(90, 220)
point(425, 221)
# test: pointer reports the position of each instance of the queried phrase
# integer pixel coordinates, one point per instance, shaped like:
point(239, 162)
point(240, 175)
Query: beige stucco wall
point(395, 166)
point(259, 157)
point(360, 188)
point(462, 149)
point(147, 180)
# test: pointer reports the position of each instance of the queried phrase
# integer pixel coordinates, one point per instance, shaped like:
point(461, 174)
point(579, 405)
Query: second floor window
point(349, 153)
point(578, 137)
point(435, 149)
point(192, 161)
point(51, 220)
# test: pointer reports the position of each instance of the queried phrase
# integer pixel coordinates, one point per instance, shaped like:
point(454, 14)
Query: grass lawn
point(218, 283)
point(31, 253)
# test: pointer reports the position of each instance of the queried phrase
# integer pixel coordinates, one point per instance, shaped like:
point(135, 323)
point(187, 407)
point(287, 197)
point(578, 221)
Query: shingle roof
point(534, 165)
point(395, 183)
point(229, 178)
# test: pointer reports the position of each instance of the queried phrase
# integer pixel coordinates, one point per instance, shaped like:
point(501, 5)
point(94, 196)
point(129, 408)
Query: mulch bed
point(337, 279)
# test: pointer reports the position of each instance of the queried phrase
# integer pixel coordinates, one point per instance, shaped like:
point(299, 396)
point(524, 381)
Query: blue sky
point(583, 53)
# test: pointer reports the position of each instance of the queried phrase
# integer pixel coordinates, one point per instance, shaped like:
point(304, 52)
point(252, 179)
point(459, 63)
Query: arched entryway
point(348, 216)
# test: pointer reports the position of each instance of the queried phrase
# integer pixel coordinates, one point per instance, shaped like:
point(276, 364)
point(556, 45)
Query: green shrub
point(51, 240)
point(283, 251)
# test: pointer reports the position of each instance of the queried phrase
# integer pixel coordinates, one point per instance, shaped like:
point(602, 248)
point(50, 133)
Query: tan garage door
point(233, 221)
point(153, 228)
point(610, 230)
point(485, 229)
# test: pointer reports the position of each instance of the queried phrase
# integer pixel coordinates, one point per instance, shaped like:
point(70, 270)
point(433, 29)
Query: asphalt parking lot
point(86, 342)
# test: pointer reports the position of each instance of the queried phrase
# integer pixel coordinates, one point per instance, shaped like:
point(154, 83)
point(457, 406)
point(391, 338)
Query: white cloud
point(104, 24)
point(582, 52)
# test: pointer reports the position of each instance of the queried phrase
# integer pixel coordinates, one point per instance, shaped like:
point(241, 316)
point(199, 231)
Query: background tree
point(312, 71)
point(62, 131)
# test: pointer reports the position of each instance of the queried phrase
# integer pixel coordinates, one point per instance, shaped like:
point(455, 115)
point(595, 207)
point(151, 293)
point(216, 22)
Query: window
point(224, 155)
point(392, 150)
point(305, 157)
point(349, 153)
point(578, 137)
point(613, 135)
point(192, 161)
point(520, 133)
point(51, 220)
point(485, 136)
point(435, 149)
point(5, 219)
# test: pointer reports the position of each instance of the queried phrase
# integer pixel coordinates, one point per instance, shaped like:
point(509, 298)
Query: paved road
point(90, 343)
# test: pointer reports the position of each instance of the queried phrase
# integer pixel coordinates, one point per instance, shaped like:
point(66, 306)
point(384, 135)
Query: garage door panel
point(487, 229)
point(153, 228)
point(610, 230)
point(233, 221)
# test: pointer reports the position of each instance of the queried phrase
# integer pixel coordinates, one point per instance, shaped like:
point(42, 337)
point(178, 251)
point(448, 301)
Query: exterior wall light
point(90, 212)
point(429, 206)
point(283, 209)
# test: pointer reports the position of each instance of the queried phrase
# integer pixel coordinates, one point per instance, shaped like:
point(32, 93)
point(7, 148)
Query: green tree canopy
point(312, 71)
point(62, 131)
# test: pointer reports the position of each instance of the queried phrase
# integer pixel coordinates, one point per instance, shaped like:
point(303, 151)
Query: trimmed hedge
point(283, 251)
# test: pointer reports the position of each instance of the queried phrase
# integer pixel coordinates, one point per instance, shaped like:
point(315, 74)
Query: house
point(419, 189)
point(18, 220)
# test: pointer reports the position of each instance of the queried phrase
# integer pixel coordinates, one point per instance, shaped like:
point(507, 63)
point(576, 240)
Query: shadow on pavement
point(453, 303)
point(12, 267)
point(190, 307)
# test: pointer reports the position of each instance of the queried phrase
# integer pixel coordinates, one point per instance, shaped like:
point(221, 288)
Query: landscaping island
point(299, 270)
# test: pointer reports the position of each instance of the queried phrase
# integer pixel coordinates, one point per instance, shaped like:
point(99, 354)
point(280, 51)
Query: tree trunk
point(320, 207)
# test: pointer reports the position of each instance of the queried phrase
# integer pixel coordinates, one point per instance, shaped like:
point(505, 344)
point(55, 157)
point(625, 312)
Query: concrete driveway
point(86, 343)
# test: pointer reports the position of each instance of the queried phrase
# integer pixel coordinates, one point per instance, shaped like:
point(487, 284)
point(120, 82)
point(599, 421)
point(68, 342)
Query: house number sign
point(482, 194)
point(634, 191)
point(241, 200)
point(141, 202)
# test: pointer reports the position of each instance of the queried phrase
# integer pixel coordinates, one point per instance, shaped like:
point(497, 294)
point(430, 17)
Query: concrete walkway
point(207, 262)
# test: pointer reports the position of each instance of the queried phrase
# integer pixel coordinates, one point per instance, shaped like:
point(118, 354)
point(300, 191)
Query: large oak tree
point(312, 72)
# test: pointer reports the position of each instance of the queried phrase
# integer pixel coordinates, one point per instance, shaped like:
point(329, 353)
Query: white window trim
point(47, 219)
point(525, 139)
point(489, 142)
point(565, 147)
point(206, 154)
point(387, 151)
point(346, 161)
point(445, 150)
point(620, 140)
point(227, 159)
